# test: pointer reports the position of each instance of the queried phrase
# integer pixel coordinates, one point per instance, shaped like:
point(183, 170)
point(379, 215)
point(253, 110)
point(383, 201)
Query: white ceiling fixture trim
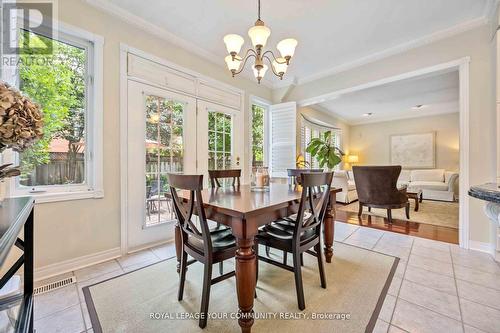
point(422, 71)
point(163, 34)
point(401, 48)
point(487, 15)
point(421, 114)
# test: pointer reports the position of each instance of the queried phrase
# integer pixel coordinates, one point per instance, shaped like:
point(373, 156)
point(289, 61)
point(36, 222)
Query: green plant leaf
point(327, 135)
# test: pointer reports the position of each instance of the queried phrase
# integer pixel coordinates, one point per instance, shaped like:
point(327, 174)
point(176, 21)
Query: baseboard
point(481, 246)
point(75, 264)
point(149, 246)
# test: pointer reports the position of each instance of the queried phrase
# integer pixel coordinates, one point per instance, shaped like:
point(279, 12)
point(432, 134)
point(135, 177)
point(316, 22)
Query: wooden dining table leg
point(245, 281)
point(329, 226)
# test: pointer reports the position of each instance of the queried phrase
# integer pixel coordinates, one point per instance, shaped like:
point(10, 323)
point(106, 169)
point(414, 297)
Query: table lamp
point(352, 159)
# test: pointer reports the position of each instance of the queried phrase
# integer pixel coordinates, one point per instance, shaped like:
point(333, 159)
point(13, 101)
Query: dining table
point(244, 210)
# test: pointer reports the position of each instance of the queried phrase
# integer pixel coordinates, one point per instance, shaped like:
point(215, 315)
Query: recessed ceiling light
point(418, 107)
point(367, 114)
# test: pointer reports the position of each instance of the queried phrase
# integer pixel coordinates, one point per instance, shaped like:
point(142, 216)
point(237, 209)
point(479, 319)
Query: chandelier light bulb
point(233, 43)
point(233, 65)
point(280, 66)
point(287, 47)
point(259, 34)
point(259, 73)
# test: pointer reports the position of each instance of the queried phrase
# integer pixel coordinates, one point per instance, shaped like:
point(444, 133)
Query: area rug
point(444, 214)
point(145, 300)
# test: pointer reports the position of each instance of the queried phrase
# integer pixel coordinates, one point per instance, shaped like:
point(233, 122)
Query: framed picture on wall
point(413, 151)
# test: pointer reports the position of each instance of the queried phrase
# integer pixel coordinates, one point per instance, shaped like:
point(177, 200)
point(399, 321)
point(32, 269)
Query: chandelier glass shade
point(259, 35)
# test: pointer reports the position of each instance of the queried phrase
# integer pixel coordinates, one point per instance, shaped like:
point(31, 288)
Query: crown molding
point(166, 35)
point(324, 110)
point(385, 119)
point(389, 119)
point(489, 9)
point(401, 48)
point(114, 10)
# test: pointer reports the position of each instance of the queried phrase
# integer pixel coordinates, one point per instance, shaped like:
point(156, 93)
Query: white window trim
point(255, 100)
point(338, 133)
point(93, 187)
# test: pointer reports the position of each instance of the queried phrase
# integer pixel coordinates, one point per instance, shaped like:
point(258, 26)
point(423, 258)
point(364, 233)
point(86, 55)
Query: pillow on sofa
point(432, 175)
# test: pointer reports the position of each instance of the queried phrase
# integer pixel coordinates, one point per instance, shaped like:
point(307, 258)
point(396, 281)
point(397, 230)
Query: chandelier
point(259, 34)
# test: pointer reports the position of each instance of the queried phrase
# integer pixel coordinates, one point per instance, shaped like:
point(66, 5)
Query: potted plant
point(324, 150)
point(20, 126)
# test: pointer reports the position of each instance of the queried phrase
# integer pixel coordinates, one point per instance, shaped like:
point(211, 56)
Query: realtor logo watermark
point(21, 17)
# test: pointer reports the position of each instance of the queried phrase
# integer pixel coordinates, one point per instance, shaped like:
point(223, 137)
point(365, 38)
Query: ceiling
point(331, 33)
point(437, 92)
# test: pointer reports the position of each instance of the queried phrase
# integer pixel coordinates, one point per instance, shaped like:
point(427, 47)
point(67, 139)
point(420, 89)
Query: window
point(220, 128)
point(68, 159)
point(308, 132)
point(164, 154)
point(259, 134)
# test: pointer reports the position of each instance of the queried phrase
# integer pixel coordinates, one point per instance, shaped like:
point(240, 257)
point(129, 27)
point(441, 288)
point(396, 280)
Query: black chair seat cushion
point(282, 230)
point(222, 239)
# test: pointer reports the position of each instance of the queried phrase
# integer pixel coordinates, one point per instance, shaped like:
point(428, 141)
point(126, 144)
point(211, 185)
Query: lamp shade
point(287, 47)
point(260, 73)
point(259, 35)
point(233, 43)
point(233, 64)
point(352, 159)
point(280, 65)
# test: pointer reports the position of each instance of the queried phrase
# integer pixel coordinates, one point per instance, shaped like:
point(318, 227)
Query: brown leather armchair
point(377, 188)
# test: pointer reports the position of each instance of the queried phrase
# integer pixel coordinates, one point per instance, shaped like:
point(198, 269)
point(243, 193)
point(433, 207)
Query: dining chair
point(301, 235)
point(377, 188)
point(294, 174)
point(204, 245)
point(217, 175)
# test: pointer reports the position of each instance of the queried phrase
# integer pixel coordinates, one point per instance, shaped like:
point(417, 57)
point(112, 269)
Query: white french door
point(161, 139)
point(171, 132)
point(220, 138)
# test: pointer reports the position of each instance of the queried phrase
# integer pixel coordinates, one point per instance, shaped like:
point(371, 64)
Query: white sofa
point(436, 184)
point(345, 180)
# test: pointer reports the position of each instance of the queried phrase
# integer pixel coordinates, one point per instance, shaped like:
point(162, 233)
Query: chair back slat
point(314, 197)
point(184, 210)
point(294, 174)
point(216, 175)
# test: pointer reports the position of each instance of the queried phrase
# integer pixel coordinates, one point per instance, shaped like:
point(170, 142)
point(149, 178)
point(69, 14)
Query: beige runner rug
point(440, 213)
point(145, 300)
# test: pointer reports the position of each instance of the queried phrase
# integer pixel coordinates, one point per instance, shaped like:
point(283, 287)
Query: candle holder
point(260, 179)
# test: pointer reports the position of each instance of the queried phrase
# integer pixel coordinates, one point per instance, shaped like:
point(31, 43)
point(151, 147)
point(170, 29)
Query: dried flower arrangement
point(20, 124)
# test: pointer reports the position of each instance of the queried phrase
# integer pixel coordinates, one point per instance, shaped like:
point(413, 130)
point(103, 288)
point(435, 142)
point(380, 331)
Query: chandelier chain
point(259, 9)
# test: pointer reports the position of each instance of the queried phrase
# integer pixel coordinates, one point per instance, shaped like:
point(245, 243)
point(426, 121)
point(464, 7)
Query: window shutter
point(283, 138)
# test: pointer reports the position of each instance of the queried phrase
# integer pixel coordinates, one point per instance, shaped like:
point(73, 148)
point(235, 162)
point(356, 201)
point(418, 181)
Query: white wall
point(371, 142)
point(72, 229)
point(475, 44)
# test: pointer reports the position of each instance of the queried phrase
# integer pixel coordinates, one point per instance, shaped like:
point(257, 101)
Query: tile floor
point(438, 287)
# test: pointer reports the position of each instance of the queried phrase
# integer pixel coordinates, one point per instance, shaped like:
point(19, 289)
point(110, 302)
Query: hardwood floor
point(444, 234)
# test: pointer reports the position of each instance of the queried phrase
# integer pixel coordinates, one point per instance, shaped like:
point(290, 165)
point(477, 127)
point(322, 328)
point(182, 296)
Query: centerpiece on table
point(21, 124)
point(324, 150)
point(260, 179)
